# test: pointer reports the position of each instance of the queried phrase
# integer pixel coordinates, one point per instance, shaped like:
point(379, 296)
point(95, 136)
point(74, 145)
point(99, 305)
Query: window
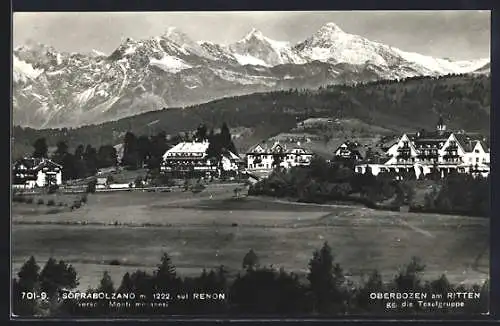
point(477, 159)
point(476, 151)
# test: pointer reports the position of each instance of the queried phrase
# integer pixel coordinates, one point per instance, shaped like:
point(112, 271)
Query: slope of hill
point(463, 101)
point(56, 89)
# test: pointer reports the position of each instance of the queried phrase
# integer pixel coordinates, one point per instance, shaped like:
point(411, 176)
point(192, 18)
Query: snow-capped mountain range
point(57, 89)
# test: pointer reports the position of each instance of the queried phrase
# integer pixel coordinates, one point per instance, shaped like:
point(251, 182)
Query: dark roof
point(468, 141)
point(433, 136)
point(375, 160)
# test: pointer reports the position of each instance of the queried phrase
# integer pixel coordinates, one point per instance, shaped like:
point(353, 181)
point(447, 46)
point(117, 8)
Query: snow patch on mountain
point(22, 71)
point(169, 64)
point(442, 66)
point(98, 53)
point(249, 60)
point(265, 50)
point(80, 88)
point(129, 50)
point(86, 95)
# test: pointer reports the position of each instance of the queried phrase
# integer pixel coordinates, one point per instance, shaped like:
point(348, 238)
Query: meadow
point(125, 231)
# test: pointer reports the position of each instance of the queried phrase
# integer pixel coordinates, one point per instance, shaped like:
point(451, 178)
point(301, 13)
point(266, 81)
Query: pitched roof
point(272, 147)
point(189, 147)
point(429, 137)
point(33, 163)
point(468, 141)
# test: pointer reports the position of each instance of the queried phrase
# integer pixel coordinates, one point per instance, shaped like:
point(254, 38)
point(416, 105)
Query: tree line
point(323, 182)
point(138, 151)
point(255, 290)
point(395, 105)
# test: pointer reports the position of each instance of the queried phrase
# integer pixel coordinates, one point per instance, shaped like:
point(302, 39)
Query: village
point(420, 154)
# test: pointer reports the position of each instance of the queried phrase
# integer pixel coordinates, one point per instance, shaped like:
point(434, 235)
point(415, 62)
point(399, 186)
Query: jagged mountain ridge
point(56, 89)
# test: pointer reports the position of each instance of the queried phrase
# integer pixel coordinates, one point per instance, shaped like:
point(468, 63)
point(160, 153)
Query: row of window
point(185, 154)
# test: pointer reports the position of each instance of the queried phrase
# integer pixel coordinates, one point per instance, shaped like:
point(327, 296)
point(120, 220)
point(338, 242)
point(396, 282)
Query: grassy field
point(210, 228)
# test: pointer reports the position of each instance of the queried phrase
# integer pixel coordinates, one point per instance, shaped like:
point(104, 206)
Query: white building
point(265, 156)
point(440, 151)
point(348, 151)
point(190, 159)
point(30, 173)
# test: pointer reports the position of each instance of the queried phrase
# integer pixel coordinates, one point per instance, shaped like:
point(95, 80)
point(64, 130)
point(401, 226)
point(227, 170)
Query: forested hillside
point(407, 105)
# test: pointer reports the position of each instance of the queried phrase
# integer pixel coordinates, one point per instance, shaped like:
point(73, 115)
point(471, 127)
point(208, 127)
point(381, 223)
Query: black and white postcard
point(239, 164)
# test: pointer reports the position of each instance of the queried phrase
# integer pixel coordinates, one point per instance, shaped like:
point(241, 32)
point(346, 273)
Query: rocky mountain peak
point(254, 34)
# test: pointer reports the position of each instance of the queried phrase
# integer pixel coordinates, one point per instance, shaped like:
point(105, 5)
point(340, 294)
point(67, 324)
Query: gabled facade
point(29, 173)
point(440, 152)
point(348, 151)
point(267, 156)
point(190, 159)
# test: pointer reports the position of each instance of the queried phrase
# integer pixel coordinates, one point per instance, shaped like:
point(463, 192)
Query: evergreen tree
point(201, 133)
point(159, 146)
point(250, 261)
point(326, 280)
point(28, 275)
point(106, 156)
point(56, 276)
point(90, 158)
point(143, 149)
point(409, 278)
point(79, 162)
point(126, 284)
point(106, 284)
point(226, 139)
point(165, 276)
point(130, 151)
point(40, 148)
point(61, 152)
point(79, 151)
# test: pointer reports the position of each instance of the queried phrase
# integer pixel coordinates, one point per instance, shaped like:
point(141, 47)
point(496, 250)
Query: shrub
point(51, 202)
point(91, 186)
point(40, 201)
point(28, 200)
point(53, 189)
point(84, 199)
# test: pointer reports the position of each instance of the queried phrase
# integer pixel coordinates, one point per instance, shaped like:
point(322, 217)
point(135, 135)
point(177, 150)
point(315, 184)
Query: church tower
point(441, 127)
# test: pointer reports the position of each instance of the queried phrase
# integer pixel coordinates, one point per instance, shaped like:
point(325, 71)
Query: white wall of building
point(477, 156)
point(292, 158)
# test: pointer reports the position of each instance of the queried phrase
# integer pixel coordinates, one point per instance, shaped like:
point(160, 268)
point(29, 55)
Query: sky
point(459, 35)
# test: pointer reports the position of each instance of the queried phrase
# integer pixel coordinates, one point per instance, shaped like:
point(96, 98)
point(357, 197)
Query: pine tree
point(130, 151)
point(165, 276)
point(326, 281)
point(106, 284)
point(40, 148)
point(409, 279)
point(250, 261)
point(29, 275)
point(126, 284)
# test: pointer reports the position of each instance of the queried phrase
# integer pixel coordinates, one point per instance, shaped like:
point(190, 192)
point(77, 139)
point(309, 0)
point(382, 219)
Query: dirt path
point(280, 201)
